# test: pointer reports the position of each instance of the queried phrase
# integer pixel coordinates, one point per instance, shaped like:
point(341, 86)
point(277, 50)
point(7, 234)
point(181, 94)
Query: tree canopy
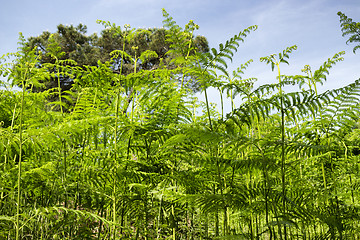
point(72, 42)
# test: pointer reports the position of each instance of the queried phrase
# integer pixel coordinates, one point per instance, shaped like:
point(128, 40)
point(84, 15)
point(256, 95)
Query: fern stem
point(208, 109)
point(173, 228)
point(18, 206)
point(114, 199)
point(13, 118)
point(282, 125)
point(64, 174)
point(222, 104)
point(59, 89)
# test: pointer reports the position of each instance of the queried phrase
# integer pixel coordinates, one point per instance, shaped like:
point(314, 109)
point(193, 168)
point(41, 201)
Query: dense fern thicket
point(132, 157)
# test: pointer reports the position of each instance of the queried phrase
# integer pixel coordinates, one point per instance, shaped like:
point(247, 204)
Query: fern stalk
point(276, 62)
point(282, 125)
point(208, 109)
point(59, 90)
point(18, 206)
point(116, 144)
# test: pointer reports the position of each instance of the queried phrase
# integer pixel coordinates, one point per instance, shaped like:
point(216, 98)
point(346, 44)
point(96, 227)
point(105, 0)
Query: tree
point(349, 27)
point(70, 42)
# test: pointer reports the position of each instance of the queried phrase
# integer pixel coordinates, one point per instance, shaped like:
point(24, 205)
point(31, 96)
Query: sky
point(312, 25)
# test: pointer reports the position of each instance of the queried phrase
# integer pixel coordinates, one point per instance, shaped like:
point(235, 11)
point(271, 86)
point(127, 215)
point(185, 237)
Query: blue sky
point(312, 25)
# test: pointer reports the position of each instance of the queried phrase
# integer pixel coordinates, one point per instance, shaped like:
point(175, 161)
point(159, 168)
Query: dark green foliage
point(148, 47)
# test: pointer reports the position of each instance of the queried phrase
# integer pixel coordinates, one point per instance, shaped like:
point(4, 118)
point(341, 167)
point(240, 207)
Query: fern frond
point(226, 50)
point(320, 74)
point(349, 27)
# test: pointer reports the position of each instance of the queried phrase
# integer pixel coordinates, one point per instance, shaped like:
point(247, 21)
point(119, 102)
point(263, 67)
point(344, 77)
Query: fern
point(349, 27)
